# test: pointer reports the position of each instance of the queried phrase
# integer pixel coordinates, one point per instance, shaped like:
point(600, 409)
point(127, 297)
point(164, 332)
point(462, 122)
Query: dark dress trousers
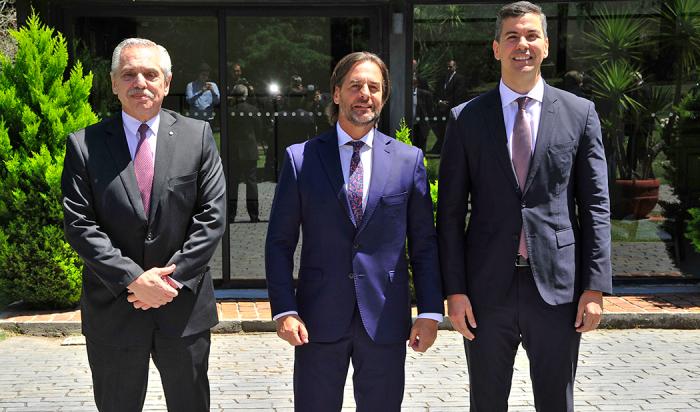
point(565, 211)
point(353, 290)
point(106, 225)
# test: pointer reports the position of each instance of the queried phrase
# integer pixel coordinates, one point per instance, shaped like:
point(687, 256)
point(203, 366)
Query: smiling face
point(139, 82)
point(359, 98)
point(521, 49)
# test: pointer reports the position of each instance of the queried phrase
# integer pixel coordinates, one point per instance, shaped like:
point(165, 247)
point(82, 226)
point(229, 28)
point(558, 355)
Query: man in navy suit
point(535, 259)
point(357, 196)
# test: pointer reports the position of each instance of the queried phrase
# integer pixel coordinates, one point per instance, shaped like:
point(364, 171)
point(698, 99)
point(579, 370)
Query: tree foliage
point(8, 21)
point(39, 106)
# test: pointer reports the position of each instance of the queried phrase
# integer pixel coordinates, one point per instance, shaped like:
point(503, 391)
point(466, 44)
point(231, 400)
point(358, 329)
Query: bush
point(692, 232)
point(38, 108)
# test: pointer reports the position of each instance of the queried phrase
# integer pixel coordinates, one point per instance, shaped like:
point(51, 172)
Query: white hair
point(165, 63)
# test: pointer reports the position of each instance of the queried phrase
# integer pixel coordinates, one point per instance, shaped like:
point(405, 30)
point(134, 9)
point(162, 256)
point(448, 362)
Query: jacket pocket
point(396, 199)
point(565, 237)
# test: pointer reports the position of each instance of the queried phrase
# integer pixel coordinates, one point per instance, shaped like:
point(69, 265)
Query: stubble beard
point(363, 120)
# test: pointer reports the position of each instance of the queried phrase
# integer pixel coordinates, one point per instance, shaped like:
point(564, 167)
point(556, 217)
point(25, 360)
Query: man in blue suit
point(357, 196)
point(535, 259)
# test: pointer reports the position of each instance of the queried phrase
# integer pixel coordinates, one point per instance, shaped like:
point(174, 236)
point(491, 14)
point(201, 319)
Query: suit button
point(355, 246)
point(351, 276)
point(516, 237)
point(149, 236)
point(523, 204)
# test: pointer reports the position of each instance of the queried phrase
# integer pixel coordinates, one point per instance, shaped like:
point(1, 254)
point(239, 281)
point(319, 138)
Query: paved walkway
point(632, 370)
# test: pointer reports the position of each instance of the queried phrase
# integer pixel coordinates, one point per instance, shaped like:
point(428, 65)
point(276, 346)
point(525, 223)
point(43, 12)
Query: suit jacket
point(245, 131)
point(564, 206)
point(343, 266)
point(454, 92)
point(105, 223)
point(421, 125)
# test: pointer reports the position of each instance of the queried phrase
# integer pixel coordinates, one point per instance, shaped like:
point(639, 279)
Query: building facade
point(270, 62)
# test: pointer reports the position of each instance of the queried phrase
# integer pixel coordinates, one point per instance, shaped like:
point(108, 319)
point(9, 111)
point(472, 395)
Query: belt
point(522, 262)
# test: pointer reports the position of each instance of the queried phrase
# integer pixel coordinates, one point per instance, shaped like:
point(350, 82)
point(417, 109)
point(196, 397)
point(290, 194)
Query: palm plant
point(679, 38)
point(616, 42)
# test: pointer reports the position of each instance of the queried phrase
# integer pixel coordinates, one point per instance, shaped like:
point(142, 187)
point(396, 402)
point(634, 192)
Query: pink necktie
point(355, 181)
point(522, 151)
point(143, 167)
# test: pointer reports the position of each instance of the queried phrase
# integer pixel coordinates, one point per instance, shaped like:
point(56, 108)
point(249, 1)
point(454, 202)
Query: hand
point(458, 309)
point(149, 290)
point(140, 305)
point(590, 310)
point(423, 334)
point(292, 329)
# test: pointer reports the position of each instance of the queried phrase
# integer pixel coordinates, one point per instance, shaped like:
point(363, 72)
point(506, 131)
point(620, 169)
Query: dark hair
point(517, 9)
point(343, 68)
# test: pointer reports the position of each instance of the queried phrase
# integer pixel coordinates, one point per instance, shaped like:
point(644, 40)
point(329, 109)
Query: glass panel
point(192, 43)
point(654, 174)
point(277, 92)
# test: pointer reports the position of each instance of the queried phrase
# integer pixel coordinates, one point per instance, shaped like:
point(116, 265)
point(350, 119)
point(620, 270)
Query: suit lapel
point(497, 140)
point(381, 166)
point(330, 159)
point(164, 153)
point(548, 117)
point(119, 149)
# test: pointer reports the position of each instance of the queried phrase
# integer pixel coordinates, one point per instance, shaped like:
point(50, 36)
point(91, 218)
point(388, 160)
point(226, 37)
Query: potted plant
point(632, 112)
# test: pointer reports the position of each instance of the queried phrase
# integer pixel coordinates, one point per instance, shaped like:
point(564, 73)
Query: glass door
point(278, 71)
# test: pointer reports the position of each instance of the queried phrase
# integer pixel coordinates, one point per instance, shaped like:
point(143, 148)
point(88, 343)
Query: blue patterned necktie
point(355, 181)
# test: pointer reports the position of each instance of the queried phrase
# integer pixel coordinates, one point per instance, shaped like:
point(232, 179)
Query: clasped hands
point(293, 330)
point(152, 289)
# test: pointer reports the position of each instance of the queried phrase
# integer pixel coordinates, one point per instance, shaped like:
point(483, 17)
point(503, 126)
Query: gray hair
point(165, 63)
point(517, 9)
point(240, 91)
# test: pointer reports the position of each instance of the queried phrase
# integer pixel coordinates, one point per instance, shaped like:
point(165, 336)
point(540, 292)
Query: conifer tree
point(39, 105)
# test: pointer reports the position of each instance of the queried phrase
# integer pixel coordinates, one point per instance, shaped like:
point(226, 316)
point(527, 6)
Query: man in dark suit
point(450, 92)
point(245, 129)
point(357, 196)
point(422, 108)
point(144, 208)
point(535, 259)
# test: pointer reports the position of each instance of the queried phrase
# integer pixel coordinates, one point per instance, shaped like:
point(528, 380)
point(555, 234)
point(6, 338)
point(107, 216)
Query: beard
point(364, 119)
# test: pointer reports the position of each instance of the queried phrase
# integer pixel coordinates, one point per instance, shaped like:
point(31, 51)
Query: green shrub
point(692, 232)
point(38, 108)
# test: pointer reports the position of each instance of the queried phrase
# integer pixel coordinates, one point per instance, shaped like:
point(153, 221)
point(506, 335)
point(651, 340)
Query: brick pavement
point(260, 310)
point(620, 370)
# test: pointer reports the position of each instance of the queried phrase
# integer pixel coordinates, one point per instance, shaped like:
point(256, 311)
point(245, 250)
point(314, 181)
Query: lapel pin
point(171, 133)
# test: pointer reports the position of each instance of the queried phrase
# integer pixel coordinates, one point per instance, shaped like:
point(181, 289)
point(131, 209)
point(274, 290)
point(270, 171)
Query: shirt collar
point(344, 137)
point(508, 96)
point(131, 124)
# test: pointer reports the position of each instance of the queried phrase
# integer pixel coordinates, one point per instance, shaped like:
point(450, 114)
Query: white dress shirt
point(532, 111)
point(131, 131)
point(366, 159)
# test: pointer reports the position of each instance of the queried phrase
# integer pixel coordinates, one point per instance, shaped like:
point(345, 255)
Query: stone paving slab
point(666, 311)
point(619, 370)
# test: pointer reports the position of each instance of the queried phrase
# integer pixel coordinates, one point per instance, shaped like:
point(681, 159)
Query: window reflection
point(653, 175)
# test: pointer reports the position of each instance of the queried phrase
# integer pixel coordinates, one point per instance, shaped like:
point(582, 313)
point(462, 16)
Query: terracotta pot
point(634, 198)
